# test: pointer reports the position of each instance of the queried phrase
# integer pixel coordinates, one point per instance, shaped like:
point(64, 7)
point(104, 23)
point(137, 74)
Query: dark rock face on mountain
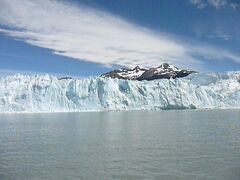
point(164, 71)
point(131, 74)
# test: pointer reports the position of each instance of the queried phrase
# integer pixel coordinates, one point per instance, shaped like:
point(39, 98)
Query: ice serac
point(22, 93)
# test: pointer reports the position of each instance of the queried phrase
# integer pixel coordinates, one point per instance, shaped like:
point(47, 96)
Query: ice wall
point(24, 93)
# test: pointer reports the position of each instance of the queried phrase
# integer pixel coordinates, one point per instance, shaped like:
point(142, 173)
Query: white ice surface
point(24, 93)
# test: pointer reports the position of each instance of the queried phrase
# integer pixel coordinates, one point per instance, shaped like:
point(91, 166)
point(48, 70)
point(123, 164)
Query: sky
point(90, 37)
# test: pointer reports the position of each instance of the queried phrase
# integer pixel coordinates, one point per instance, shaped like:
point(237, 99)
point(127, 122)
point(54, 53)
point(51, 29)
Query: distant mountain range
point(164, 71)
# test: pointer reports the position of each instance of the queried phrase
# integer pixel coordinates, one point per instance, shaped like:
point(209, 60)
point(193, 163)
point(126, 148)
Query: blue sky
point(89, 37)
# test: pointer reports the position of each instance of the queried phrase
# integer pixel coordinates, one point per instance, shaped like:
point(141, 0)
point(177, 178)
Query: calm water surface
point(167, 145)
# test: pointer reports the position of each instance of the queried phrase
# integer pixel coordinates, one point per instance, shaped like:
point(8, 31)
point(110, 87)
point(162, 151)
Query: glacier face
point(24, 93)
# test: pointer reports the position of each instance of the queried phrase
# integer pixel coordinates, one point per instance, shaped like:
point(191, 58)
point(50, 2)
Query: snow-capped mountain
point(124, 73)
point(164, 71)
point(21, 93)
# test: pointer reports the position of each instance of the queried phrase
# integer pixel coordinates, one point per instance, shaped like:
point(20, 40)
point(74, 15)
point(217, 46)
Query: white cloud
point(198, 3)
point(218, 3)
point(235, 6)
point(97, 36)
point(220, 35)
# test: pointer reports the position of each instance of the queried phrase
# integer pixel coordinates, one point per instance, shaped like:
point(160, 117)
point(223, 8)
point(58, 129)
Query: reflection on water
point(121, 145)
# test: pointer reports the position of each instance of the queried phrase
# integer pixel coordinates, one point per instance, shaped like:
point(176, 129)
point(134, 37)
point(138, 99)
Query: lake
point(171, 145)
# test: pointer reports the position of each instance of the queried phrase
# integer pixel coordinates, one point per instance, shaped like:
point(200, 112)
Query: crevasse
point(24, 93)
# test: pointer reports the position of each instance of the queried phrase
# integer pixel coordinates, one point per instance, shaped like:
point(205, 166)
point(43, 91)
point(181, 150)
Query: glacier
point(45, 93)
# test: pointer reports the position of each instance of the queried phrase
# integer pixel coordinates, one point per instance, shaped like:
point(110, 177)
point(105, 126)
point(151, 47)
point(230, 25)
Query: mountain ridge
point(164, 71)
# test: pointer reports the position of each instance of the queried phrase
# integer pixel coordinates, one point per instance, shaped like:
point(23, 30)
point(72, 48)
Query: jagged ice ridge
point(24, 93)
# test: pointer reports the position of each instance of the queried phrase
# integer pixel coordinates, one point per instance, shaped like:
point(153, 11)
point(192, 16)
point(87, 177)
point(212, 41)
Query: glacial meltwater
point(183, 144)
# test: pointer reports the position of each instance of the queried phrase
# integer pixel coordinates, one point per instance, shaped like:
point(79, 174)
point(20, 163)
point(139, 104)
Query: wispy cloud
point(218, 4)
point(88, 34)
point(220, 35)
point(235, 6)
point(200, 4)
